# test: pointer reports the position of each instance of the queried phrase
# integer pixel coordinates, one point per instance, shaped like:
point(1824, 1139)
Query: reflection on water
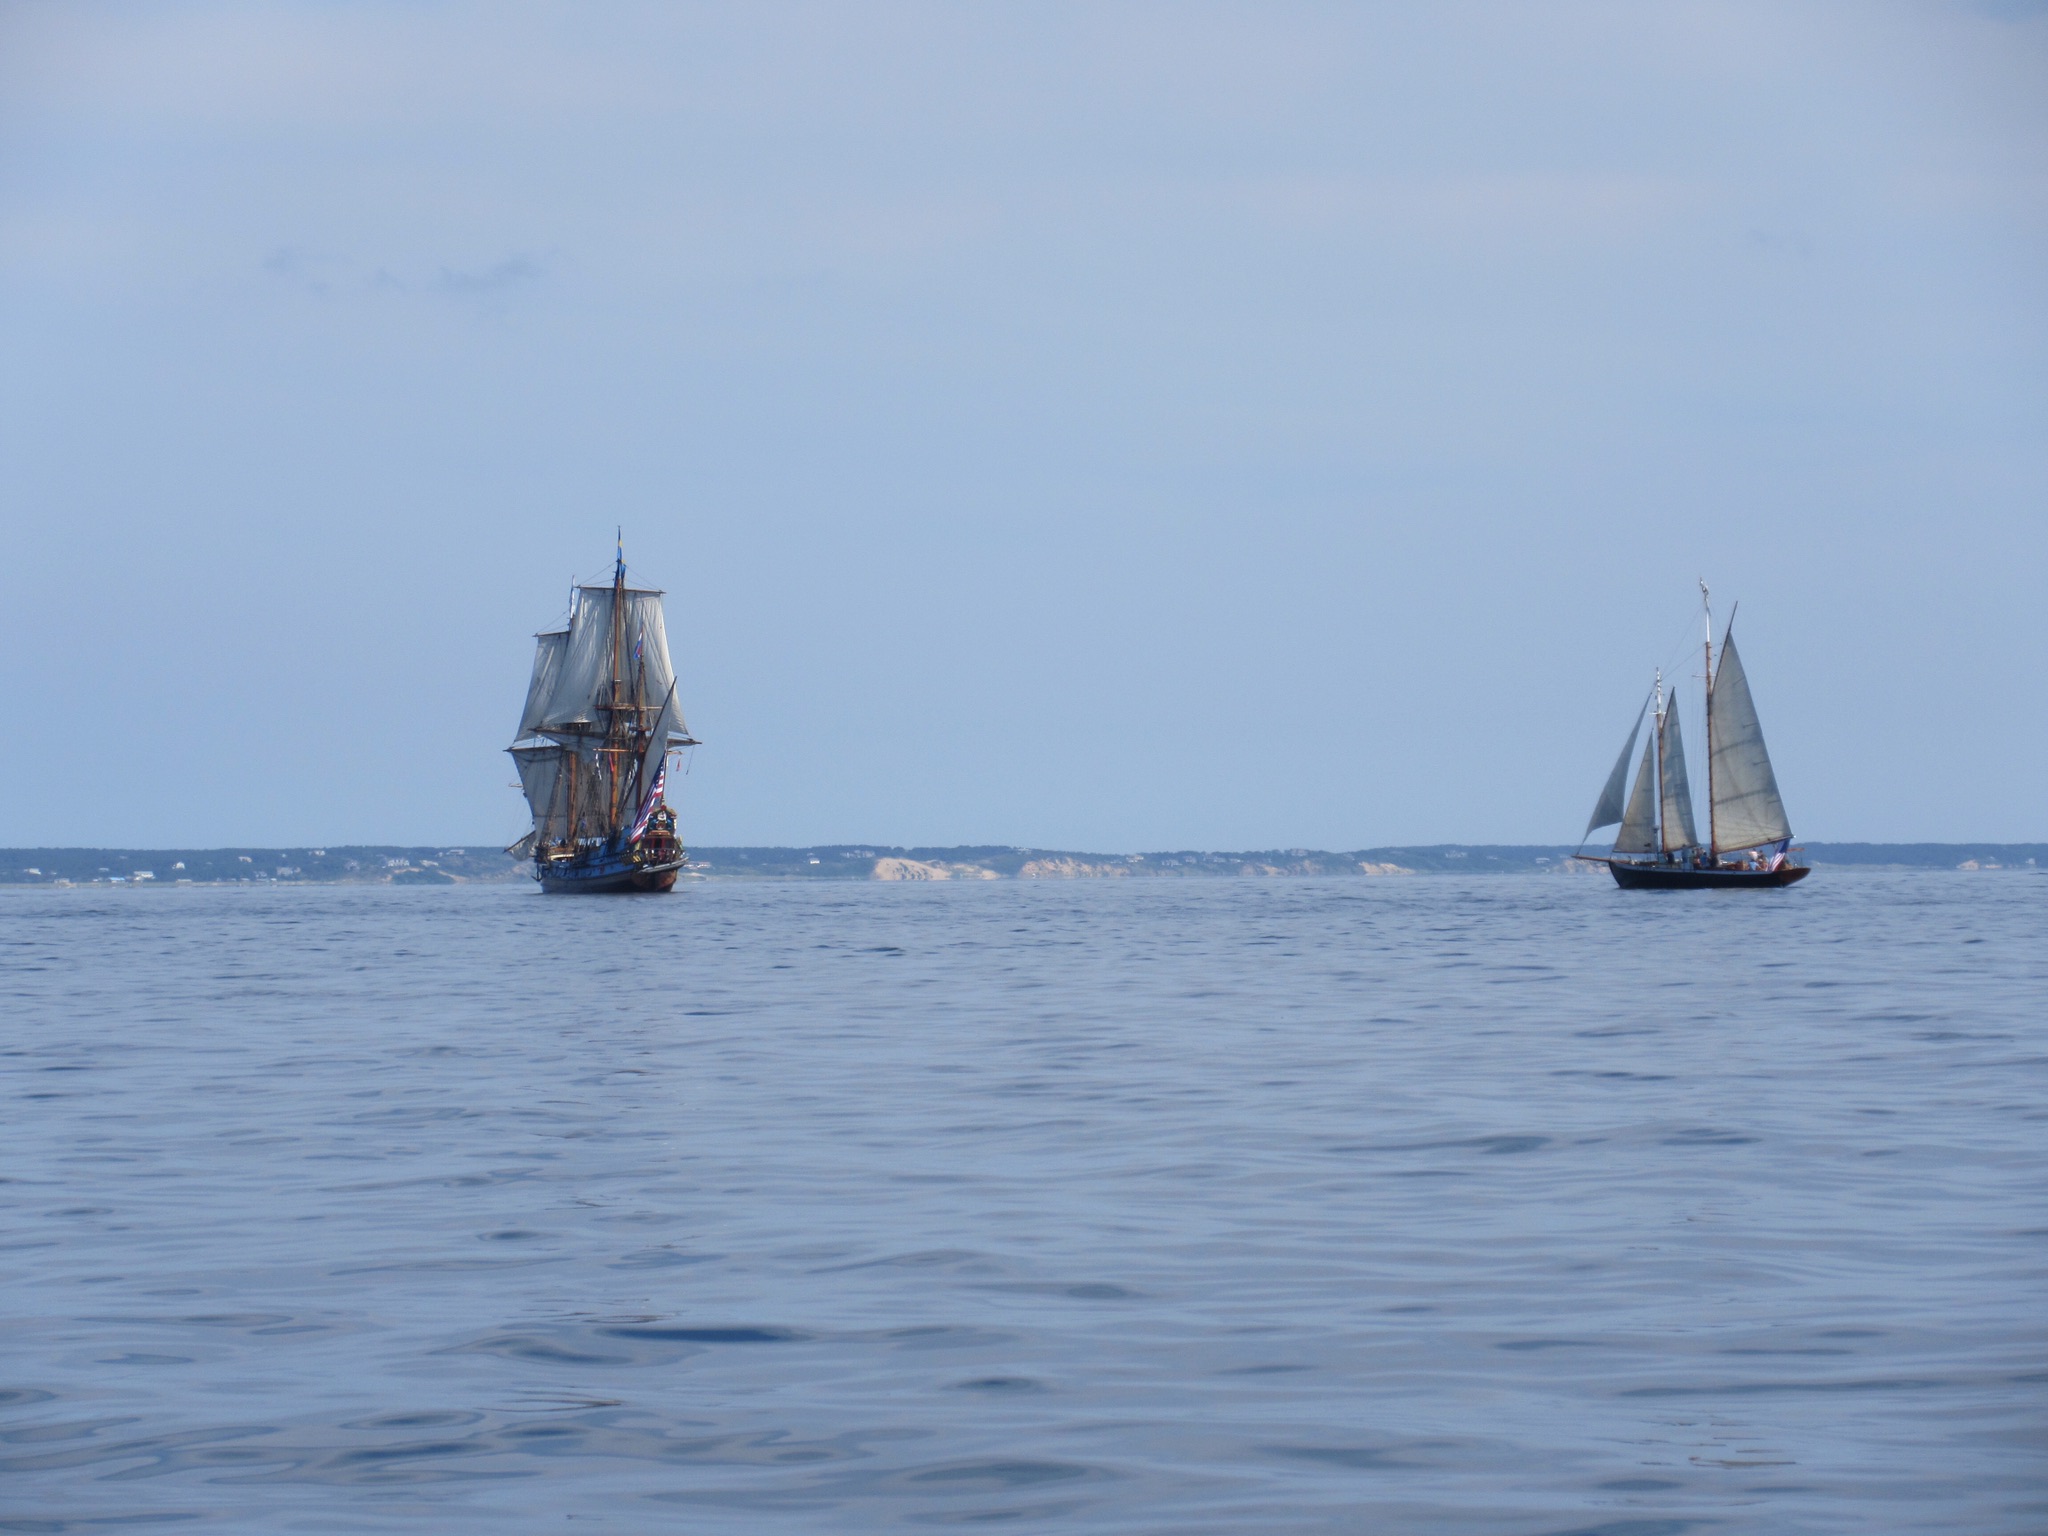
point(1513, 1205)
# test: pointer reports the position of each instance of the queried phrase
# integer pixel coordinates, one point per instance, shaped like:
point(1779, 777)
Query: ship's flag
point(647, 805)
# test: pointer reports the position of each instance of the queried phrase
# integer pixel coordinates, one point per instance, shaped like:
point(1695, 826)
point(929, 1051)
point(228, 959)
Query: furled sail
point(1638, 832)
point(547, 667)
point(1746, 809)
point(583, 684)
point(1608, 810)
point(1678, 827)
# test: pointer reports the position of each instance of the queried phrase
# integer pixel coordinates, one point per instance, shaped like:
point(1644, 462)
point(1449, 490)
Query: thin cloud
point(513, 272)
point(330, 276)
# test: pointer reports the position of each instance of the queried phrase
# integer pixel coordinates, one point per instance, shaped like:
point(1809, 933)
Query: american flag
point(647, 806)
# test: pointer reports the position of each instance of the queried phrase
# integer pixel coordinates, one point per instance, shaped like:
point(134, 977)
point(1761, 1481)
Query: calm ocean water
point(1492, 1205)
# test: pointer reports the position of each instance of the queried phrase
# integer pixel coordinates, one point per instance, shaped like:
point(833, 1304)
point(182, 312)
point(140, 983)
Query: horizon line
point(1298, 850)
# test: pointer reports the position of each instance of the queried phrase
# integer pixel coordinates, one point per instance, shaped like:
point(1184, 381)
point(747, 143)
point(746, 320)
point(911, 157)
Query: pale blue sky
point(1112, 426)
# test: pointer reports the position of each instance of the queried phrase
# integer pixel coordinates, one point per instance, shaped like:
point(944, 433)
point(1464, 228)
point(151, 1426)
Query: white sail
point(586, 664)
point(649, 677)
point(1678, 827)
point(583, 685)
point(1608, 810)
point(600, 714)
point(666, 724)
point(540, 775)
point(569, 789)
point(1638, 832)
point(1746, 810)
point(547, 667)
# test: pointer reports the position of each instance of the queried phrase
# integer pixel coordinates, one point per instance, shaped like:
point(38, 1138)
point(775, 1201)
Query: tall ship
point(1749, 839)
point(600, 720)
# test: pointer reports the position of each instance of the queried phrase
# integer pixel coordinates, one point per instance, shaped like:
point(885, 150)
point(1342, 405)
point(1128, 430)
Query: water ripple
point(1512, 1207)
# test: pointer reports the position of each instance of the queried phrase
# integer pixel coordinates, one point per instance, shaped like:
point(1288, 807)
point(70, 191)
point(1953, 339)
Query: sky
point(1114, 426)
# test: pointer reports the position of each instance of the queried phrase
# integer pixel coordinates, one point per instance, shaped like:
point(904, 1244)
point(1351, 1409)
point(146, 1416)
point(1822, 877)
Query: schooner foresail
point(1607, 811)
point(592, 749)
point(1748, 836)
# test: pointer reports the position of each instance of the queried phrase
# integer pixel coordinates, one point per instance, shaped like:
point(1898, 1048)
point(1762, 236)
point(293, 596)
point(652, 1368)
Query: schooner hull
point(1666, 877)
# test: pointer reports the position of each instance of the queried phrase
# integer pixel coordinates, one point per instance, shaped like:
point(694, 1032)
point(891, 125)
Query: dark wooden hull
point(1673, 877)
point(607, 877)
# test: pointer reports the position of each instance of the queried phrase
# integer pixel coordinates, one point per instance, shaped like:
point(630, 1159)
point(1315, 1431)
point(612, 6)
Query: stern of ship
point(648, 863)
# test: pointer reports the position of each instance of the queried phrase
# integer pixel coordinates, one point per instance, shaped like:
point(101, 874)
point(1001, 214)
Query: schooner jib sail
point(1748, 834)
point(600, 719)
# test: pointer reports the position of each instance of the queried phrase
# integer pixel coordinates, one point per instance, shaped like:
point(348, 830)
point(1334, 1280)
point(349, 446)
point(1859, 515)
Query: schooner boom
point(600, 719)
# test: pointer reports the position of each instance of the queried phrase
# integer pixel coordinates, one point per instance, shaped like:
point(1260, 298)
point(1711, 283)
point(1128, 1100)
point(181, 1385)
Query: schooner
point(592, 749)
point(1748, 836)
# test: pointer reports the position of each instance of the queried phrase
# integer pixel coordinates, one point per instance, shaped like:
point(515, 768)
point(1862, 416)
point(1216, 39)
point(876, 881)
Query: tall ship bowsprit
point(601, 718)
point(1748, 842)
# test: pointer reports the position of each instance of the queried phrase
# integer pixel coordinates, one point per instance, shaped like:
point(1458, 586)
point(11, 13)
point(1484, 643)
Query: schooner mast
point(1707, 682)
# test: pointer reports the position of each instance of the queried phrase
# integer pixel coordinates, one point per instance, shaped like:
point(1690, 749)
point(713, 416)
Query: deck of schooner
point(592, 749)
point(1748, 838)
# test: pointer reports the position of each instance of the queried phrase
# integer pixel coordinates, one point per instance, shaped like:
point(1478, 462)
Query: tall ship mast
point(600, 720)
point(1658, 846)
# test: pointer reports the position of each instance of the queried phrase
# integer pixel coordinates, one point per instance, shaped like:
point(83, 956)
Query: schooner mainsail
point(592, 749)
point(1748, 835)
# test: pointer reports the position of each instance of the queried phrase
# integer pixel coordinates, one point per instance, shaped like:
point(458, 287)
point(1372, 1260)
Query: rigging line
point(1675, 654)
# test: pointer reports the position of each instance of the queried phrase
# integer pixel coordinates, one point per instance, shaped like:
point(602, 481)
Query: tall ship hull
point(600, 721)
point(1748, 845)
point(605, 873)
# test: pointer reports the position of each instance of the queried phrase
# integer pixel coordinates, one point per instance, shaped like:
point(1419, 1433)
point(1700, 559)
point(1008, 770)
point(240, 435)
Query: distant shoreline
point(427, 865)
